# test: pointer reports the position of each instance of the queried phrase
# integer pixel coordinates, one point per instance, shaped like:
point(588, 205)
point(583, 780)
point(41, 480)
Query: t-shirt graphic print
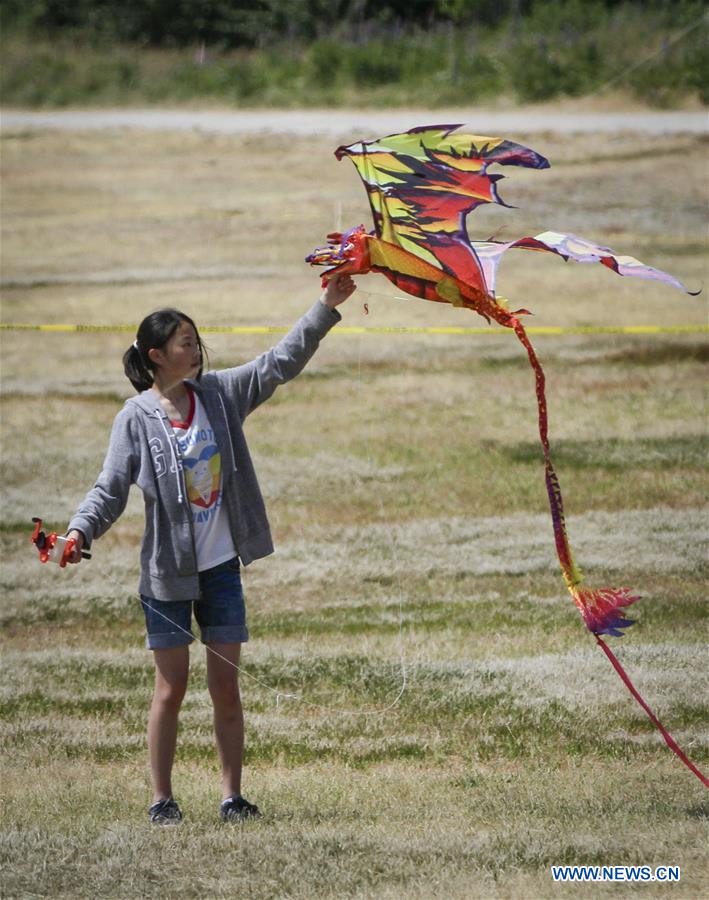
point(202, 468)
point(203, 475)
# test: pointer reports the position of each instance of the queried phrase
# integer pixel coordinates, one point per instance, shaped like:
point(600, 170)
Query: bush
point(541, 71)
point(323, 62)
point(675, 71)
point(563, 47)
point(373, 63)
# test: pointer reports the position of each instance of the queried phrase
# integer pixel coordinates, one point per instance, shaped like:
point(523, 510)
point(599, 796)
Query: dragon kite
point(421, 186)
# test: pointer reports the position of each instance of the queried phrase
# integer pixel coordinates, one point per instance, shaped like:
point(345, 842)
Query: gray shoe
point(236, 809)
point(165, 812)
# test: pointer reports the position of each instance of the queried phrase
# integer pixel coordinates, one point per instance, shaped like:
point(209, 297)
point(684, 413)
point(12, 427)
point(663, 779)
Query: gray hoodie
point(143, 451)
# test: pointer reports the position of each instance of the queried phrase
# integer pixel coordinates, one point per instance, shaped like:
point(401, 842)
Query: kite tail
point(669, 740)
point(596, 607)
point(601, 608)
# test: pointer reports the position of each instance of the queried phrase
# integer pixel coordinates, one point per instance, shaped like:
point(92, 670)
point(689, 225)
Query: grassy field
point(404, 483)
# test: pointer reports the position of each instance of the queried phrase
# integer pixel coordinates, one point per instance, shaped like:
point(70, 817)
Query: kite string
point(289, 695)
point(666, 44)
point(388, 531)
point(669, 740)
point(279, 694)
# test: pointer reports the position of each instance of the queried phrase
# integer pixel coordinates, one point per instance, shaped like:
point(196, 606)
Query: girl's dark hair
point(154, 332)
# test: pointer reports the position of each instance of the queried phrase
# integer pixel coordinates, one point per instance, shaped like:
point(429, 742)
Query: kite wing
point(423, 183)
point(569, 246)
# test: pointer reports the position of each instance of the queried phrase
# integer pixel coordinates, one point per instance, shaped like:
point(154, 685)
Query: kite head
point(345, 254)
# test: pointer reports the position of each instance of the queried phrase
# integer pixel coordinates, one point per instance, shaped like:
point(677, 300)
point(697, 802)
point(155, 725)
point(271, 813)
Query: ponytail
point(153, 333)
point(136, 369)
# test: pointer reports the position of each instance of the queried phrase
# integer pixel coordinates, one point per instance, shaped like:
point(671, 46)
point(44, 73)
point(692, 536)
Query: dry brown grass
point(403, 480)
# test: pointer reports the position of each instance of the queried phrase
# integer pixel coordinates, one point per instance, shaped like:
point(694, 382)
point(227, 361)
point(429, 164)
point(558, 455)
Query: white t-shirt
point(202, 467)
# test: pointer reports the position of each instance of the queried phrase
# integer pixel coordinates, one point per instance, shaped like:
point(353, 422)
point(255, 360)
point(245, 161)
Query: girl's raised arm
point(253, 383)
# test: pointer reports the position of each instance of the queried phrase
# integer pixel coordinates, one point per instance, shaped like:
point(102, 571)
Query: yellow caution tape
point(350, 329)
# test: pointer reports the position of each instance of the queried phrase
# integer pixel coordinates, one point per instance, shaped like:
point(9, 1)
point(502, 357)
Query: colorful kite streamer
point(421, 186)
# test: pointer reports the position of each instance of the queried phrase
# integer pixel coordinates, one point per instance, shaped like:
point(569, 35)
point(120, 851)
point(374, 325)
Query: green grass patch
point(615, 454)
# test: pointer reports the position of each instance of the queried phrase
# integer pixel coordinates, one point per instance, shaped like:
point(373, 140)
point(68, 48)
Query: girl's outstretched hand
point(75, 556)
point(338, 289)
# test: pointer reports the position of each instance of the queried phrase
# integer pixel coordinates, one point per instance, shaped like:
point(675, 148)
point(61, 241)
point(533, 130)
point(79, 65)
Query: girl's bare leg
point(171, 671)
point(222, 680)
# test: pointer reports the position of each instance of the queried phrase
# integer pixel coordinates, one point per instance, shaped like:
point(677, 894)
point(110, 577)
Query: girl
point(181, 441)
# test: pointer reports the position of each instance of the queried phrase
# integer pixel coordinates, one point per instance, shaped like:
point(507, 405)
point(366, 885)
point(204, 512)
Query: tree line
point(230, 24)
point(350, 52)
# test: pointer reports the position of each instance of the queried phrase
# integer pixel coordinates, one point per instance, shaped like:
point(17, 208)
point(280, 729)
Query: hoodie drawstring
point(228, 431)
point(159, 414)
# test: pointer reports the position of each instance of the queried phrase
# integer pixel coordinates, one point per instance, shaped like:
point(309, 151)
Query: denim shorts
point(220, 612)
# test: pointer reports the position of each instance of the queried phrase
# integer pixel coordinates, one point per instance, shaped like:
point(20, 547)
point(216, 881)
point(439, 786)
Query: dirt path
point(303, 122)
